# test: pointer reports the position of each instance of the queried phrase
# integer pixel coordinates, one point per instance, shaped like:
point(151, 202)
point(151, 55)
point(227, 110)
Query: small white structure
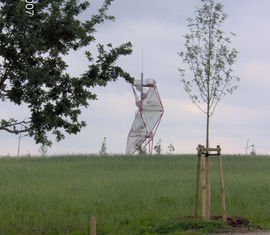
point(147, 118)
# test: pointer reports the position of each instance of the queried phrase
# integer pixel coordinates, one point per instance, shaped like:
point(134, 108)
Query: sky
point(158, 27)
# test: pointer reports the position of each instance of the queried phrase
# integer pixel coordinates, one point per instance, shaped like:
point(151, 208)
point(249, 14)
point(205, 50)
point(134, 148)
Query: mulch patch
point(234, 221)
point(238, 223)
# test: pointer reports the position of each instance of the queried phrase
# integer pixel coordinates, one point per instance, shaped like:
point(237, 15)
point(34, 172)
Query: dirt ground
point(239, 225)
point(248, 232)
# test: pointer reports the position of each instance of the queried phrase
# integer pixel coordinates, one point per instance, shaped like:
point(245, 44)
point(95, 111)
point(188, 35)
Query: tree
point(33, 72)
point(253, 150)
point(171, 149)
point(103, 149)
point(158, 148)
point(209, 58)
point(43, 149)
point(141, 150)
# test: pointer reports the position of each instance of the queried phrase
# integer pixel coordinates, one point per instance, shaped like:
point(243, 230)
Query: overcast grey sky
point(158, 27)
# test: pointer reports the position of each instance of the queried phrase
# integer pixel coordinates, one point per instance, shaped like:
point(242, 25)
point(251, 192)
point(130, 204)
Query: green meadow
point(127, 195)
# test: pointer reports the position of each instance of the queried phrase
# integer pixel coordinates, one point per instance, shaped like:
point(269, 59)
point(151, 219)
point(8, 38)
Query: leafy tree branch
point(33, 72)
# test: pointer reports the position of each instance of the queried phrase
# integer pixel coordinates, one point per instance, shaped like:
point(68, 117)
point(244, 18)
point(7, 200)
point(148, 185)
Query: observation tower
point(147, 117)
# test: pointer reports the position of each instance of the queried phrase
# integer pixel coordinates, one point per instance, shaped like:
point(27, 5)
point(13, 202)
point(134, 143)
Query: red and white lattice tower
point(147, 118)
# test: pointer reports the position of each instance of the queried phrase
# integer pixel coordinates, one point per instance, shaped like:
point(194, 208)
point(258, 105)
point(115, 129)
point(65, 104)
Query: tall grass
point(58, 195)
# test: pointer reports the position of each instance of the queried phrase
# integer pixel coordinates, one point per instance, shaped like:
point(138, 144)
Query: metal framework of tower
point(147, 118)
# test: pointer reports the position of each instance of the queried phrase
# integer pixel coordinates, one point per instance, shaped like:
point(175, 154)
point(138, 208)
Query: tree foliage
point(157, 147)
point(209, 57)
point(171, 149)
point(33, 72)
point(103, 148)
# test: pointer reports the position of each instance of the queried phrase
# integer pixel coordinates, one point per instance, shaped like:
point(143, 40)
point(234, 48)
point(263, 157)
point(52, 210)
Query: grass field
point(128, 195)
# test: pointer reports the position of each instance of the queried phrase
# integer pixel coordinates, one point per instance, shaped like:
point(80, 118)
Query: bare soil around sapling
point(234, 224)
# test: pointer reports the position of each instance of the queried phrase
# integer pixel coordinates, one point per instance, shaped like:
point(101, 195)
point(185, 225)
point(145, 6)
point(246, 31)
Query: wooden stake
point(93, 225)
point(210, 149)
point(203, 188)
point(224, 218)
point(197, 181)
point(204, 161)
point(207, 185)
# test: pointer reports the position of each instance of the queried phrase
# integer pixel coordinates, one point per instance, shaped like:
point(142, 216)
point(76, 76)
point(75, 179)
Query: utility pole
point(247, 146)
point(142, 81)
point(19, 145)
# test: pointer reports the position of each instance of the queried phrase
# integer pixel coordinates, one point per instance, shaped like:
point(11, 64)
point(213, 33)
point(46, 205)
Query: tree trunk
point(207, 174)
point(207, 128)
point(207, 159)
